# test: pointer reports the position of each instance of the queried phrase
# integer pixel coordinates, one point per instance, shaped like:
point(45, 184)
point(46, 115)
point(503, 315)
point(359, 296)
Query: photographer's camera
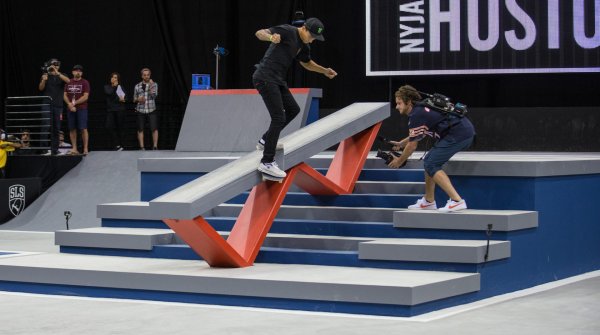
point(50, 66)
point(388, 157)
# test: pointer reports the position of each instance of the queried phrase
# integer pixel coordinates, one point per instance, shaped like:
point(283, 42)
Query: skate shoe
point(453, 206)
point(271, 169)
point(423, 204)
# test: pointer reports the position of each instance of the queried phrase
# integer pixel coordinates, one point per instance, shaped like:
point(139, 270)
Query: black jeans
point(283, 109)
point(114, 123)
point(55, 115)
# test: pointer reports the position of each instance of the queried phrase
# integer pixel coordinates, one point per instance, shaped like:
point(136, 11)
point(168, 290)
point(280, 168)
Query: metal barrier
point(29, 116)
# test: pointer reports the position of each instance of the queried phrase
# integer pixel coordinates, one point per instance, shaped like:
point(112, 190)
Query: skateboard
point(266, 177)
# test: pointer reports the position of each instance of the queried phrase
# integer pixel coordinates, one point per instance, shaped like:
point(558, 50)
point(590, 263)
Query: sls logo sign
point(482, 36)
point(16, 199)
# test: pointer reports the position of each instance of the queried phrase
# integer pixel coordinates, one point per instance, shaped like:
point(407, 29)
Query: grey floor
point(568, 309)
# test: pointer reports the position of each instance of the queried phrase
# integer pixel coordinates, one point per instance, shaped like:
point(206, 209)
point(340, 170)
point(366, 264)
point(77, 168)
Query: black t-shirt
point(425, 121)
point(55, 88)
point(279, 57)
point(113, 103)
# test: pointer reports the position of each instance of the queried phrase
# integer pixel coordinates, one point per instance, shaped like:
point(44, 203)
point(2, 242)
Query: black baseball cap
point(315, 27)
point(78, 67)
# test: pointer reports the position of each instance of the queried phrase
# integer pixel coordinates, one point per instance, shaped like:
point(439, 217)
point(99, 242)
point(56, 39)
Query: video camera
point(388, 156)
point(442, 104)
point(48, 66)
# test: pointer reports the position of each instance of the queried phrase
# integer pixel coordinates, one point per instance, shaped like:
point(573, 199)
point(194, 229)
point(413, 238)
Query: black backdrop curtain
point(175, 38)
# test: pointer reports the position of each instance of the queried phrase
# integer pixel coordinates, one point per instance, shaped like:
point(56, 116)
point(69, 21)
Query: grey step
point(314, 242)
point(433, 250)
point(387, 187)
point(382, 187)
point(306, 282)
point(145, 239)
point(354, 214)
point(469, 219)
point(114, 238)
point(134, 210)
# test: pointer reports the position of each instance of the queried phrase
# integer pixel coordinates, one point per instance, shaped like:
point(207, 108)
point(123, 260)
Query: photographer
point(6, 146)
point(452, 134)
point(52, 84)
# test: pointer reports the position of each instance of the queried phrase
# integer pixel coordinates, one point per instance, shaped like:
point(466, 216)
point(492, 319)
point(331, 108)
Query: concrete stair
point(430, 250)
point(360, 248)
point(338, 289)
point(470, 219)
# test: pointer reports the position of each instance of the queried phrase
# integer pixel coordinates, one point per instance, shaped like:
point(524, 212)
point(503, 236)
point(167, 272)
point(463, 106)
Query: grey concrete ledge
point(352, 214)
point(114, 238)
point(469, 219)
point(523, 164)
point(495, 164)
point(433, 250)
point(286, 281)
point(207, 162)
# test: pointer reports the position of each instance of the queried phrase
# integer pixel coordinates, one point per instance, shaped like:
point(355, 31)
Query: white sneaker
point(271, 169)
point(423, 204)
point(47, 153)
point(261, 145)
point(453, 206)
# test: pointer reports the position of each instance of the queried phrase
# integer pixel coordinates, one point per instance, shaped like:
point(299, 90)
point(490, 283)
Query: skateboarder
point(288, 43)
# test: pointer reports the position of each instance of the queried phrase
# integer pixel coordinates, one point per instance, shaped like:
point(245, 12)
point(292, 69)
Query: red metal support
point(252, 225)
point(249, 230)
point(344, 169)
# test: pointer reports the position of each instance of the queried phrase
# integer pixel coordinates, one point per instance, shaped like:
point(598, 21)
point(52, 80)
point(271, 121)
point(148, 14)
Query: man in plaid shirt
point(144, 94)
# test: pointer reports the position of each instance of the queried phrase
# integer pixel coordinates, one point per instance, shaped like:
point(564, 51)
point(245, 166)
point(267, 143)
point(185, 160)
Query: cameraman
point(452, 134)
point(6, 146)
point(52, 84)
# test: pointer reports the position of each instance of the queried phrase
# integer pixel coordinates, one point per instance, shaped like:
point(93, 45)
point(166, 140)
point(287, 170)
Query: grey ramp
point(114, 238)
point(204, 193)
point(293, 281)
point(433, 250)
point(100, 177)
point(233, 122)
point(470, 219)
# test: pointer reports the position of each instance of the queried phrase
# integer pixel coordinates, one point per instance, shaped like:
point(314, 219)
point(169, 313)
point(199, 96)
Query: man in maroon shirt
point(76, 95)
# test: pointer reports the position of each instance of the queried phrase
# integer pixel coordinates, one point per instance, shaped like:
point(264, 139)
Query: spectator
point(25, 139)
point(144, 94)
point(52, 85)
point(115, 108)
point(76, 95)
point(5, 147)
